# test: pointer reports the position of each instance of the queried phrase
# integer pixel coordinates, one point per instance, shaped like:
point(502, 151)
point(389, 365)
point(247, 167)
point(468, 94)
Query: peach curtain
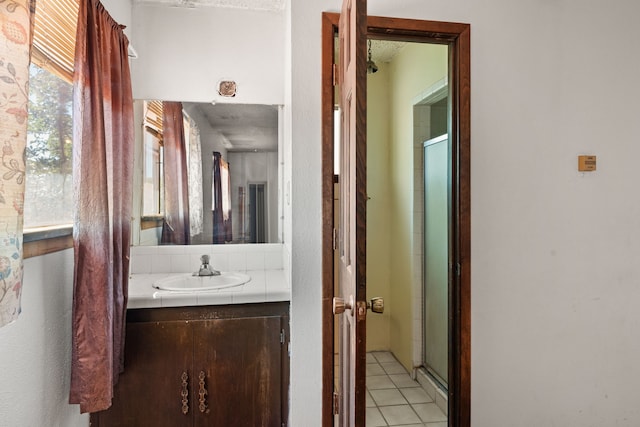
point(102, 177)
point(176, 229)
point(15, 41)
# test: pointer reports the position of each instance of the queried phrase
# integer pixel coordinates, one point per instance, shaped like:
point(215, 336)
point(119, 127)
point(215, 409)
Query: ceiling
point(271, 5)
point(381, 50)
point(385, 50)
point(244, 127)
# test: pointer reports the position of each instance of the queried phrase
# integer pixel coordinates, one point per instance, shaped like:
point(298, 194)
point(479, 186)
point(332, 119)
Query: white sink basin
point(186, 282)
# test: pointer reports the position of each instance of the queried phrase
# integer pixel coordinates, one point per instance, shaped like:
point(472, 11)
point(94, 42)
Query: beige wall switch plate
point(586, 163)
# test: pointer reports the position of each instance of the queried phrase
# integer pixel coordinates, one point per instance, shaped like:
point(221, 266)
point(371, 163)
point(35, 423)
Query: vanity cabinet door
point(241, 362)
point(231, 362)
point(149, 392)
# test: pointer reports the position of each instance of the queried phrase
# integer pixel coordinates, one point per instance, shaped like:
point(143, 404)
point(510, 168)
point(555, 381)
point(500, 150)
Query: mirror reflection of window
point(153, 176)
point(153, 173)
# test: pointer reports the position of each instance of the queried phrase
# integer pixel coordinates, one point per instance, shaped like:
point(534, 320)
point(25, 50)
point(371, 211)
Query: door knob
point(339, 305)
point(376, 305)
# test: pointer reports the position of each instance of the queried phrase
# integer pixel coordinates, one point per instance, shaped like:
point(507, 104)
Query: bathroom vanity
point(212, 358)
point(203, 366)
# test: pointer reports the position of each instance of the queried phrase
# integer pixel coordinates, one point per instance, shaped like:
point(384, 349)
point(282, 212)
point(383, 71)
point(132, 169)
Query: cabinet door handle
point(185, 392)
point(202, 392)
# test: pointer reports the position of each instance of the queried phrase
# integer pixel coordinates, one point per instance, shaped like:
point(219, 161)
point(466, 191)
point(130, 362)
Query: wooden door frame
point(457, 37)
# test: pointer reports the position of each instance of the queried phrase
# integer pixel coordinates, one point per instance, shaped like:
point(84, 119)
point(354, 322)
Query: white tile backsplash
point(255, 260)
point(238, 261)
point(144, 250)
point(273, 260)
point(140, 264)
point(172, 249)
point(182, 263)
point(220, 261)
point(161, 264)
point(182, 259)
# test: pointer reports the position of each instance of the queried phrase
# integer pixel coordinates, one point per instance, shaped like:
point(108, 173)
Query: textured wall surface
point(36, 350)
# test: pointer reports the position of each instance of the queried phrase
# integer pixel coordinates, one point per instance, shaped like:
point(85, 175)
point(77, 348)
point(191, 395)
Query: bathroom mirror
point(247, 140)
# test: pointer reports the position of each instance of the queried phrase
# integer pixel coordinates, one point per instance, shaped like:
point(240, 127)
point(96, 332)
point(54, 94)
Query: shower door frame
point(440, 377)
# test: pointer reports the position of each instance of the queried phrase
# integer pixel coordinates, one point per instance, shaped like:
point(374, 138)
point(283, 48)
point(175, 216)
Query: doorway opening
point(406, 230)
point(257, 212)
point(408, 227)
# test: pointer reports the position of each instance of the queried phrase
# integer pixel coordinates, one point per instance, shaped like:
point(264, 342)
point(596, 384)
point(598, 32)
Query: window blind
point(54, 36)
point(153, 118)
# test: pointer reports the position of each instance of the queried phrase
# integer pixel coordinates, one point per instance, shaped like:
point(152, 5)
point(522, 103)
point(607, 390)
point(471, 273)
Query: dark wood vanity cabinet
point(203, 366)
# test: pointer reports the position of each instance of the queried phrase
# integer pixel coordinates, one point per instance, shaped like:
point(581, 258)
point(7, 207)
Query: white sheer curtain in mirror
point(194, 170)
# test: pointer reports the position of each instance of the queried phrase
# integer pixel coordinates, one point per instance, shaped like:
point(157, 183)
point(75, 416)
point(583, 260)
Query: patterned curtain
point(15, 41)
point(102, 178)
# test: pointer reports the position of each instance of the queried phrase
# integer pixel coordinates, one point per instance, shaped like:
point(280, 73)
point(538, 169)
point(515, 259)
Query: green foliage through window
point(48, 196)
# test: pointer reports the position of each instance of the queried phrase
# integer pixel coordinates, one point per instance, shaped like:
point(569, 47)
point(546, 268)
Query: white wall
point(35, 355)
point(413, 72)
point(184, 53)
point(120, 10)
point(306, 210)
point(554, 253)
point(379, 212)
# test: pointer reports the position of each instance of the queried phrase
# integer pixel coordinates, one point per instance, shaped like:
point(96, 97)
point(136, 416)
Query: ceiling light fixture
point(227, 88)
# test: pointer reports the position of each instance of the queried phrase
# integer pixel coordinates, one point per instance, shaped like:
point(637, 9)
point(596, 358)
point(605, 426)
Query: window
point(48, 185)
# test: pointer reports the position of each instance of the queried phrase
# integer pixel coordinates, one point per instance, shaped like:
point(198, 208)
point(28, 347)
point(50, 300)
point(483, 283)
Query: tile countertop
point(265, 286)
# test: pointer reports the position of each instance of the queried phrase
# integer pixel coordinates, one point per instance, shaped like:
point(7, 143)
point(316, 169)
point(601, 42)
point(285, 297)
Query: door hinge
point(335, 75)
point(335, 239)
point(283, 336)
point(336, 403)
point(458, 269)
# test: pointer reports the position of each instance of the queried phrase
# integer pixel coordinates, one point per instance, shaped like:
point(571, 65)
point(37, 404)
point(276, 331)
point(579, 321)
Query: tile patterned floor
point(394, 399)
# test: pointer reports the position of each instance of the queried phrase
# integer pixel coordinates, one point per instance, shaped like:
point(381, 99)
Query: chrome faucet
point(205, 268)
